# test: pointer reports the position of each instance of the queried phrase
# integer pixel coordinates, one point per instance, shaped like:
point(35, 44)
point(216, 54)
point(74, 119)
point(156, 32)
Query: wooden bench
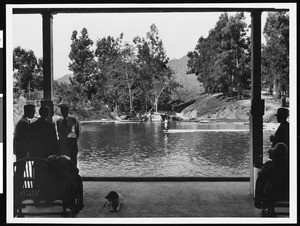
point(31, 187)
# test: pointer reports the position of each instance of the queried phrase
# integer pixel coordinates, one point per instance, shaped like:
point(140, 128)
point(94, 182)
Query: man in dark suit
point(43, 135)
point(21, 133)
point(282, 133)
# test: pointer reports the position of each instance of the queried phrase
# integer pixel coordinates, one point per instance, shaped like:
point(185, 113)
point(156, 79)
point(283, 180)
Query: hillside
point(216, 106)
point(203, 106)
point(191, 86)
point(64, 79)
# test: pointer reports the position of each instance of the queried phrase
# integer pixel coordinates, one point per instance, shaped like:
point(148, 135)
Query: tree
point(275, 54)
point(235, 51)
point(82, 63)
point(203, 61)
point(28, 73)
point(128, 60)
point(108, 54)
point(67, 93)
point(153, 69)
point(221, 60)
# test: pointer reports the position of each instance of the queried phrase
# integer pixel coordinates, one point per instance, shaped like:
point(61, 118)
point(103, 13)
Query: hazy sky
point(179, 31)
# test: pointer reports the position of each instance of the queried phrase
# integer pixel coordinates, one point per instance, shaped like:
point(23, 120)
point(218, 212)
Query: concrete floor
point(165, 201)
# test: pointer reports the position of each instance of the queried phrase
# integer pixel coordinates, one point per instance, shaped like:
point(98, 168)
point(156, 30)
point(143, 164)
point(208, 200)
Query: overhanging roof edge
point(137, 10)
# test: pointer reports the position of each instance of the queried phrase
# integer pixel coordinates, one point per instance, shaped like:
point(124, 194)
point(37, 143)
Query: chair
point(34, 185)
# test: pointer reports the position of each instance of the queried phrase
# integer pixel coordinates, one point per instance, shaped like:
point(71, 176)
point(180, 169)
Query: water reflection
point(143, 149)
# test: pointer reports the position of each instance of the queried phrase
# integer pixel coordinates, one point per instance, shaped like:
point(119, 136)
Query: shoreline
point(270, 126)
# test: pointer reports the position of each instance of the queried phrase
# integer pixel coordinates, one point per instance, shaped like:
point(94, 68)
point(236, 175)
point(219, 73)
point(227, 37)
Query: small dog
point(114, 199)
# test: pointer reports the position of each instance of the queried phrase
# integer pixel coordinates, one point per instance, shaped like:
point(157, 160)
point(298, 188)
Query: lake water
point(143, 149)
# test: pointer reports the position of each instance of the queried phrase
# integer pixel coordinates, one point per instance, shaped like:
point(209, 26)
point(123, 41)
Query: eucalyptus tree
point(235, 53)
point(221, 60)
point(83, 63)
point(275, 53)
point(201, 61)
point(204, 59)
point(111, 81)
point(152, 62)
point(130, 75)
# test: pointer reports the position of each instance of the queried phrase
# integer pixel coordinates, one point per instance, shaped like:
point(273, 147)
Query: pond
point(144, 150)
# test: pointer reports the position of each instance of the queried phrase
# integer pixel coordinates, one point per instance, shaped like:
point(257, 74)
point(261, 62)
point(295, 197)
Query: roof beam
point(139, 10)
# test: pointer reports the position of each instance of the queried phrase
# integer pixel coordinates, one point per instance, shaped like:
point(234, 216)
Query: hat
point(279, 151)
point(29, 107)
point(44, 111)
point(63, 106)
point(282, 112)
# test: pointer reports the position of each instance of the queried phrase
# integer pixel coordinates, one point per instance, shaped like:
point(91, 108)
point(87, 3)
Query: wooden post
point(257, 104)
point(48, 60)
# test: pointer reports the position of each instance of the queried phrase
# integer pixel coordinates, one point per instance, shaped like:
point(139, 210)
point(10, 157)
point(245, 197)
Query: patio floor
point(166, 200)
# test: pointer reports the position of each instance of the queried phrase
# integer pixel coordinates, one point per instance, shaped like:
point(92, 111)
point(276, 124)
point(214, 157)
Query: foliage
point(82, 63)
point(28, 74)
point(275, 54)
point(66, 93)
point(126, 77)
point(116, 74)
point(152, 62)
point(221, 61)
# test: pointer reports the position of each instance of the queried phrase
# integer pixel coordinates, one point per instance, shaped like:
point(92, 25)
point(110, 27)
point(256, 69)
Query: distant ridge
point(191, 86)
point(64, 79)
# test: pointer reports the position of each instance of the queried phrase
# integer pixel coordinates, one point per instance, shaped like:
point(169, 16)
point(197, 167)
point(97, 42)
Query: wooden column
point(257, 104)
point(48, 60)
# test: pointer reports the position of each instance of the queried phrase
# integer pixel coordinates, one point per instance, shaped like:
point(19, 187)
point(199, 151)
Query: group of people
point(56, 142)
point(272, 183)
point(42, 138)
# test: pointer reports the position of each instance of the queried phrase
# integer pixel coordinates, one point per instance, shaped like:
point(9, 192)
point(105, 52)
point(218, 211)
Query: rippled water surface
point(143, 149)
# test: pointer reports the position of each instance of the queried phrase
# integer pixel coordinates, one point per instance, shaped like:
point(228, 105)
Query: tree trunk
point(239, 75)
point(276, 90)
point(129, 91)
point(155, 105)
point(146, 105)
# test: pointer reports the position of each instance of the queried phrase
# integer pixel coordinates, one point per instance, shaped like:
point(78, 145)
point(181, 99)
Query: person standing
point(43, 134)
point(282, 132)
point(68, 130)
point(21, 140)
point(166, 122)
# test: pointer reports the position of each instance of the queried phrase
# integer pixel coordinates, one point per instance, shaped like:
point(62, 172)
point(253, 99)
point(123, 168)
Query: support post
point(257, 104)
point(48, 61)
